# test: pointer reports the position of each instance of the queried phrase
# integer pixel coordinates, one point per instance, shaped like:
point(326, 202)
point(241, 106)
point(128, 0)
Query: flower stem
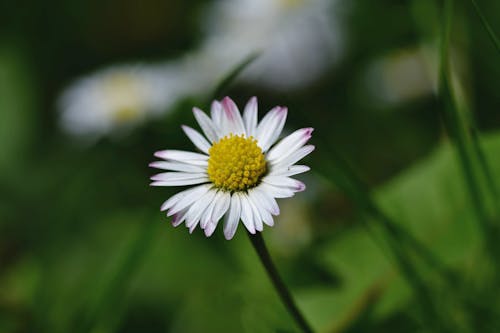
point(260, 247)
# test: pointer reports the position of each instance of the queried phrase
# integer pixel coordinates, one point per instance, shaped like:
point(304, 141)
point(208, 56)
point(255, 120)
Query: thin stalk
point(109, 299)
point(485, 166)
point(227, 80)
point(398, 239)
point(355, 188)
point(455, 128)
point(424, 298)
point(486, 25)
point(286, 297)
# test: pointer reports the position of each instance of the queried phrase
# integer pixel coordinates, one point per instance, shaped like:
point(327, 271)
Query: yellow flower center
point(125, 115)
point(291, 3)
point(236, 163)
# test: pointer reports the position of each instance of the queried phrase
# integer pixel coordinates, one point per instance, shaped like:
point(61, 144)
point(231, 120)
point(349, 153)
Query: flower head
point(297, 40)
point(239, 172)
point(118, 97)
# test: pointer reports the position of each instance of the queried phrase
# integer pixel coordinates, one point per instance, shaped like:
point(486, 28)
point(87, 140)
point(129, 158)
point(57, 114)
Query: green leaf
point(431, 201)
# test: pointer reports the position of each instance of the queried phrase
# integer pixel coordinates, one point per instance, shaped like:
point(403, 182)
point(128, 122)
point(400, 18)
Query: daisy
point(239, 171)
point(297, 40)
point(120, 97)
point(403, 75)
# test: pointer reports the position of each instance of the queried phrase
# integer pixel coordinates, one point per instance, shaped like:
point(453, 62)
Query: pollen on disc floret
point(236, 163)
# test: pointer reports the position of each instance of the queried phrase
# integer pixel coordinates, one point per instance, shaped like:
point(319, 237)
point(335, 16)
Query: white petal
point(264, 201)
point(247, 213)
point(208, 213)
point(197, 209)
point(270, 127)
point(289, 171)
point(285, 182)
point(267, 218)
point(250, 116)
point(206, 125)
point(290, 144)
point(257, 219)
point(181, 182)
point(174, 176)
point(210, 228)
point(216, 113)
point(179, 217)
point(277, 192)
point(187, 200)
point(231, 120)
point(183, 156)
point(233, 217)
point(221, 206)
point(175, 198)
point(177, 166)
point(197, 139)
point(265, 214)
point(293, 158)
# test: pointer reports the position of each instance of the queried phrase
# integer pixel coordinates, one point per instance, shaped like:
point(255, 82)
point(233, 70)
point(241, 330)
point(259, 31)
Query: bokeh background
point(83, 245)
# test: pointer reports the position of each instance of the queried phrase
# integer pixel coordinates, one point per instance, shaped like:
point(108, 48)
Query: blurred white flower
point(403, 75)
point(120, 97)
point(298, 40)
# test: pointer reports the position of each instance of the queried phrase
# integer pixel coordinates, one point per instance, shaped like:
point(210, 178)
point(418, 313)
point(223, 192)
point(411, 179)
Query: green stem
point(260, 247)
point(458, 132)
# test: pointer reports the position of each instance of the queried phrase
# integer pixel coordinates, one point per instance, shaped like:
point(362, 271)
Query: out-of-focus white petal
point(299, 40)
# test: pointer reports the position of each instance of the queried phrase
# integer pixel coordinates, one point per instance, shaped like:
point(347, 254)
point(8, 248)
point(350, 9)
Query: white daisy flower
point(298, 40)
point(119, 97)
point(239, 172)
point(403, 75)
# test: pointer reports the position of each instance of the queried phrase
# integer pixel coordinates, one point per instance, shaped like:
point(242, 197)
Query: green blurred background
point(84, 247)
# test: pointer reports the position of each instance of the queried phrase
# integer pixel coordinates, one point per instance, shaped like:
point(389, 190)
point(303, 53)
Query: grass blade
point(232, 75)
point(486, 25)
